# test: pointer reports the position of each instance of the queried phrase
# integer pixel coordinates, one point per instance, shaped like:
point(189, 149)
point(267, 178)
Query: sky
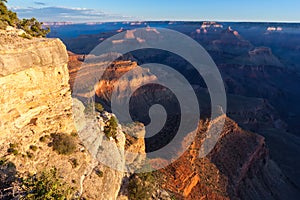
point(142, 10)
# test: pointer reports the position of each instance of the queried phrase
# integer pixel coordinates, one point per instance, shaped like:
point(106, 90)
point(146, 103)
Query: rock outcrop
point(35, 94)
point(110, 80)
point(116, 156)
point(35, 103)
point(264, 56)
point(237, 168)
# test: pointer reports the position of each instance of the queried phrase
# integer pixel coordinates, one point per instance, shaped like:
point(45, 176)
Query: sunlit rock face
point(237, 168)
point(35, 94)
point(35, 103)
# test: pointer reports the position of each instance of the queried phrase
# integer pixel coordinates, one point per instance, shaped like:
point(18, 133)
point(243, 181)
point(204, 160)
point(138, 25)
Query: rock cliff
point(35, 94)
point(35, 103)
point(237, 168)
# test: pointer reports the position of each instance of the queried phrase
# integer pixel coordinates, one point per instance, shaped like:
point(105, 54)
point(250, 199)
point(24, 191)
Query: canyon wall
point(238, 167)
point(35, 103)
point(35, 94)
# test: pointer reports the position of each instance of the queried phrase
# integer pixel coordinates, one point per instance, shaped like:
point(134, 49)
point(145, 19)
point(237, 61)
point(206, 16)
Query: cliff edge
point(36, 109)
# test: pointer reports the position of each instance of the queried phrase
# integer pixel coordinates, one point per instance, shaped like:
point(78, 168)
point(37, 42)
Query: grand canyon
point(61, 139)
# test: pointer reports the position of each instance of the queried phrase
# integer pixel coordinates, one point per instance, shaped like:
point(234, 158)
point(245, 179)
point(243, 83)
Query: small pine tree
point(30, 26)
point(33, 27)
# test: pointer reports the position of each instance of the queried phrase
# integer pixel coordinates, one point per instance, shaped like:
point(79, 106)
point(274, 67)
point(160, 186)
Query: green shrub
point(43, 139)
point(45, 185)
point(74, 162)
point(101, 148)
point(24, 35)
point(29, 154)
point(74, 134)
point(91, 106)
point(141, 186)
point(13, 145)
point(2, 161)
point(7, 17)
point(33, 147)
point(110, 130)
point(63, 143)
point(99, 107)
point(99, 173)
point(12, 149)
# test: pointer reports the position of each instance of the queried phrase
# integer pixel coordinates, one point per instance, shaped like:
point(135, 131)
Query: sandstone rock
point(237, 168)
point(78, 113)
point(36, 102)
point(35, 96)
point(35, 53)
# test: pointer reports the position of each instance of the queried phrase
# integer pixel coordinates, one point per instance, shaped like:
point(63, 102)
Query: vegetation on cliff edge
point(45, 185)
point(63, 143)
point(32, 27)
point(110, 130)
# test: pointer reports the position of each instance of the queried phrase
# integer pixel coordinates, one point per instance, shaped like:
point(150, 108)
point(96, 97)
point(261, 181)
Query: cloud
point(39, 3)
point(63, 14)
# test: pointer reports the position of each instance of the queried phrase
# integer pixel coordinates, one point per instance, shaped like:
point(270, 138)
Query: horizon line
point(163, 20)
